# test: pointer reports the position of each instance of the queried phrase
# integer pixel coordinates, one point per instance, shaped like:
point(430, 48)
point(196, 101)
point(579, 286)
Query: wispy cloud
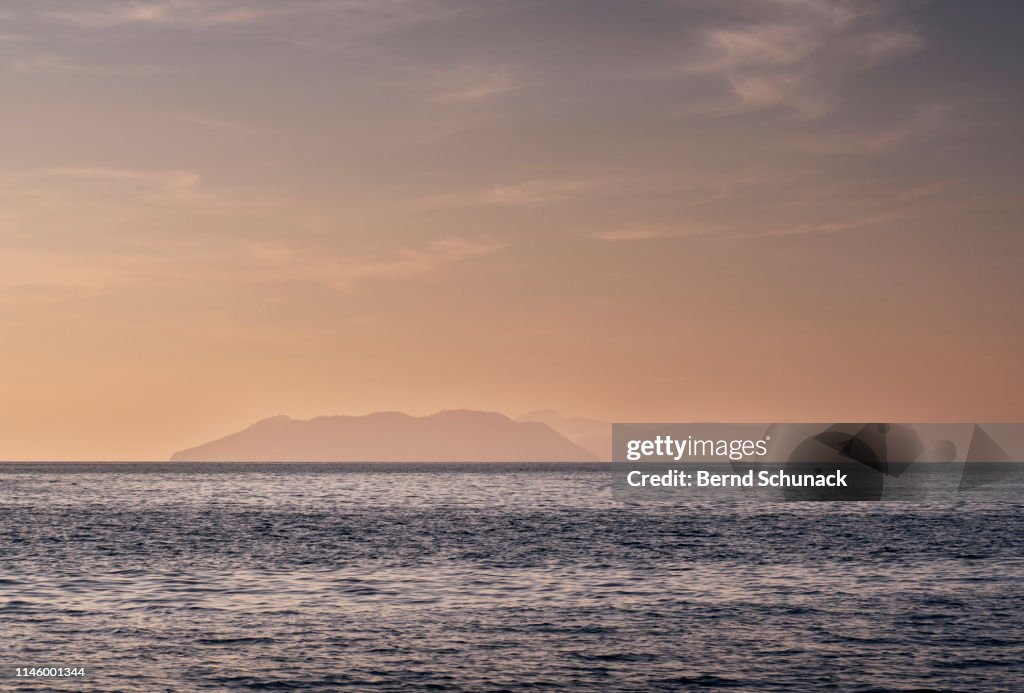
point(137, 225)
point(187, 12)
point(792, 54)
point(835, 226)
point(355, 14)
point(407, 263)
point(285, 261)
point(248, 264)
point(524, 194)
point(56, 64)
point(468, 83)
point(164, 186)
point(926, 122)
point(650, 233)
point(674, 231)
point(158, 188)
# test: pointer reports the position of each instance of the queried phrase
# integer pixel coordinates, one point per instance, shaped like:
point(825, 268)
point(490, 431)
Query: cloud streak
point(41, 64)
point(837, 226)
point(139, 216)
point(793, 53)
point(530, 193)
point(197, 13)
point(240, 14)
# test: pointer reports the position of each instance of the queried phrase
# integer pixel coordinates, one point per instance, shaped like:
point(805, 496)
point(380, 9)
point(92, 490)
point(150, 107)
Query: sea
point(493, 577)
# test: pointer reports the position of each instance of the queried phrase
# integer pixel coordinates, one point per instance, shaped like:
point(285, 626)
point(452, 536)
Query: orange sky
point(214, 212)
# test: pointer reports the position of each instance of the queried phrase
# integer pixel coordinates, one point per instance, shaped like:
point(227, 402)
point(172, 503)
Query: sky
point(769, 210)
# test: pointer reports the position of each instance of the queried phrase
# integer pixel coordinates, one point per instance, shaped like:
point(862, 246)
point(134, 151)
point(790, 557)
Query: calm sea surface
point(494, 577)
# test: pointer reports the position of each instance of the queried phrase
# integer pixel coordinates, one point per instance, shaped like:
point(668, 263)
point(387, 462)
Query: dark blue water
point(495, 577)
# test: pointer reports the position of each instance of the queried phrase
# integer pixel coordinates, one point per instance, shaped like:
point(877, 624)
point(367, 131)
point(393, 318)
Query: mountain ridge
point(454, 435)
point(589, 434)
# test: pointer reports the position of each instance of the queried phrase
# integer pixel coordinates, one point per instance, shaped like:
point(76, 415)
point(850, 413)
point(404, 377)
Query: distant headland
point(447, 436)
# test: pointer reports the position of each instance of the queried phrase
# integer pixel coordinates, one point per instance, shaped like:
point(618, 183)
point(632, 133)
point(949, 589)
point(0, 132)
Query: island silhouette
point(591, 434)
point(447, 436)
